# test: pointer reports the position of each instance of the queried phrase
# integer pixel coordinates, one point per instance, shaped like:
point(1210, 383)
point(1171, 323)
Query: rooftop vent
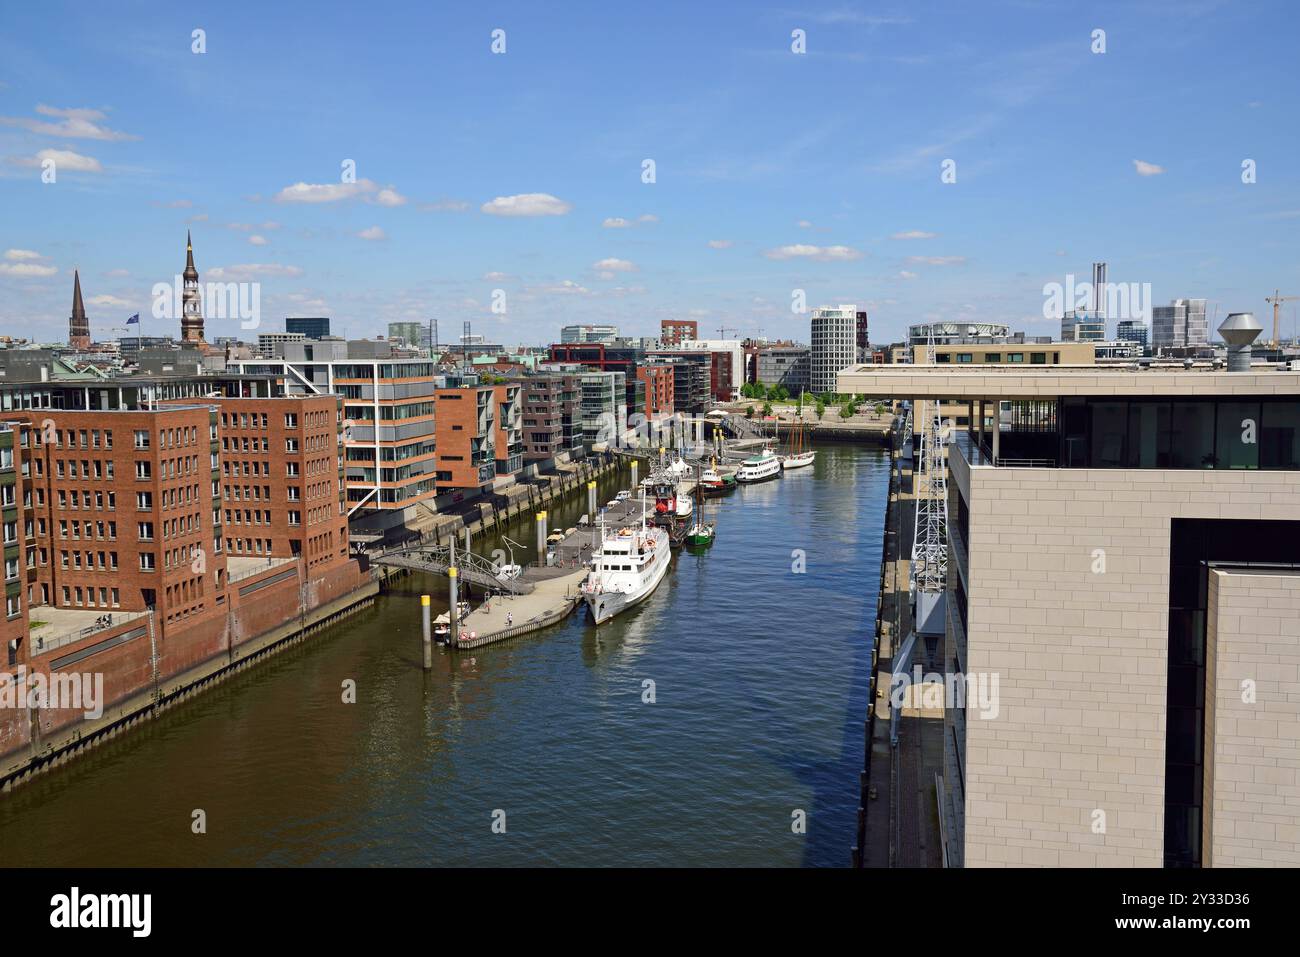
point(1239, 330)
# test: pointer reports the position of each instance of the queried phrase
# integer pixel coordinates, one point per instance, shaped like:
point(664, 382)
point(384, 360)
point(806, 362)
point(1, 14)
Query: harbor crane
point(1277, 300)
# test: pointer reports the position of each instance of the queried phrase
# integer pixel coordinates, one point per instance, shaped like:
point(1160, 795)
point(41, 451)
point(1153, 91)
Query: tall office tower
point(834, 344)
point(78, 324)
point(313, 327)
point(191, 300)
point(1099, 290)
point(863, 342)
point(1180, 325)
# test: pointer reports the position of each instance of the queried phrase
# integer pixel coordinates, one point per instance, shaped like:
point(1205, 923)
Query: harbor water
point(545, 750)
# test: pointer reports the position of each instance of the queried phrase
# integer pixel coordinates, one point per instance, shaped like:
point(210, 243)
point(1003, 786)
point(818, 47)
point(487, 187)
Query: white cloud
point(648, 218)
point(63, 160)
point(495, 276)
point(527, 204)
point(71, 124)
point(256, 240)
point(719, 243)
point(914, 234)
point(107, 300)
point(805, 224)
point(615, 222)
point(337, 192)
point(26, 270)
point(117, 273)
point(373, 234)
point(22, 255)
point(937, 260)
point(244, 271)
point(904, 274)
point(567, 288)
point(818, 253)
point(614, 265)
point(1147, 169)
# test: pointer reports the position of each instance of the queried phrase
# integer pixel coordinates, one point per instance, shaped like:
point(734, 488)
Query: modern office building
point(1181, 325)
point(552, 416)
point(270, 344)
point(1008, 352)
point(417, 335)
point(788, 366)
point(604, 406)
point(510, 428)
point(467, 437)
point(673, 332)
point(863, 337)
point(1083, 327)
point(727, 372)
point(1124, 577)
point(311, 327)
point(589, 333)
point(658, 381)
point(388, 415)
point(834, 345)
point(1133, 330)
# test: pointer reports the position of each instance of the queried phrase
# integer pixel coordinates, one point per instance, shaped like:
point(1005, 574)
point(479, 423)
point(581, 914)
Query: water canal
point(760, 681)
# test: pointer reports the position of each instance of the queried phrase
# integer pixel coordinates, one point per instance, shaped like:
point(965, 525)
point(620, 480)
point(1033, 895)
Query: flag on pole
point(134, 319)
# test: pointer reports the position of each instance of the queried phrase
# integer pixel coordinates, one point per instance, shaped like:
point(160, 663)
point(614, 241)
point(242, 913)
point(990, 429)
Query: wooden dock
point(508, 616)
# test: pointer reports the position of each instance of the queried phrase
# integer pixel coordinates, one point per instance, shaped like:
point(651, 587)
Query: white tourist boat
point(759, 468)
point(627, 567)
point(685, 505)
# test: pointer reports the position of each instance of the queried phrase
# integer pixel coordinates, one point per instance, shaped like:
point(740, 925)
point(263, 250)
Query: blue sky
point(775, 171)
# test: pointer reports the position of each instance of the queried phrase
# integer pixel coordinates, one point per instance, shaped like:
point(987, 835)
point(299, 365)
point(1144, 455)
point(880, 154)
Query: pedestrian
point(510, 619)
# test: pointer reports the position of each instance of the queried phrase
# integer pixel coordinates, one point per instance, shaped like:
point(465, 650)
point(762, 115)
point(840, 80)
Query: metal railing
point(47, 641)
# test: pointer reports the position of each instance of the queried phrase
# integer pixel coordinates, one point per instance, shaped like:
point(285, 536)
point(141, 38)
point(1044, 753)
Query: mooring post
point(428, 631)
point(591, 499)
point(466, 539)
point(541, 538)
point(634, 481)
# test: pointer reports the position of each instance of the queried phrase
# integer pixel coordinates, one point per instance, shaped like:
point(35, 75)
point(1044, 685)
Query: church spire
point(191, 298)
point(78, 324)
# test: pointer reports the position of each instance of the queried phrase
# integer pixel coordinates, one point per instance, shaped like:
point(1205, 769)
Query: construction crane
point(1277, 300)
point(723, 330)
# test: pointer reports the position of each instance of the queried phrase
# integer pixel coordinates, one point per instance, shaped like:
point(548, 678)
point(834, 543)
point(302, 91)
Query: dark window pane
point(1279, 437)
point(1191, 439)
point(1237, 435)
point(1109, 428)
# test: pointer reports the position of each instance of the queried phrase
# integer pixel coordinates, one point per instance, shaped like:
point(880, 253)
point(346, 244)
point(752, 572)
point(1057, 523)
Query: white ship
point(759, 468)
point(685, 505)
point(627, 567)
point(799, 460)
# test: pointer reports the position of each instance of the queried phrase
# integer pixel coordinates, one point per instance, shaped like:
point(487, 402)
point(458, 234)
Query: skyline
point(775, 171)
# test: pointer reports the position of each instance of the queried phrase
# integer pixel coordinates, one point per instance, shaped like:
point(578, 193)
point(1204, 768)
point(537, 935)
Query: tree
point(767, 408)
point(848, 410)
point(821, 409)
point(749, 411)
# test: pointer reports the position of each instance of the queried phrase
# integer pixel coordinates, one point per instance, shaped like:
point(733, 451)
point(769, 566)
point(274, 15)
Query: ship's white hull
point(605, 605)
point(799, 461)
point(759, 473)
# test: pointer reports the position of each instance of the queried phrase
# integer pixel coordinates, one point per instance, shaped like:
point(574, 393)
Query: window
point(146, 562)
point(142, 470)
point(290, 420)
point(1038, 358)
point(1015, 357)
point(141, 439)
point(963, 357)
point(992, 357)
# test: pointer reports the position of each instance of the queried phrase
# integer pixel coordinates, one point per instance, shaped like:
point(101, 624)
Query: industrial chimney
point(1239, 331)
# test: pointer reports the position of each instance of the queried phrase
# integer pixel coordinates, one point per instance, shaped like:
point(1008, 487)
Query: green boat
point(700, 534)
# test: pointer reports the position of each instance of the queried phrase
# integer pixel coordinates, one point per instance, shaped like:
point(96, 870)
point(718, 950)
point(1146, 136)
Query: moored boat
point(759, 468)
point(625, 570)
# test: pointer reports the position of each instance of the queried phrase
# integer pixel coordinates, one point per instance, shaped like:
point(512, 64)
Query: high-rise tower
point(191, 301)
point(78, 324)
